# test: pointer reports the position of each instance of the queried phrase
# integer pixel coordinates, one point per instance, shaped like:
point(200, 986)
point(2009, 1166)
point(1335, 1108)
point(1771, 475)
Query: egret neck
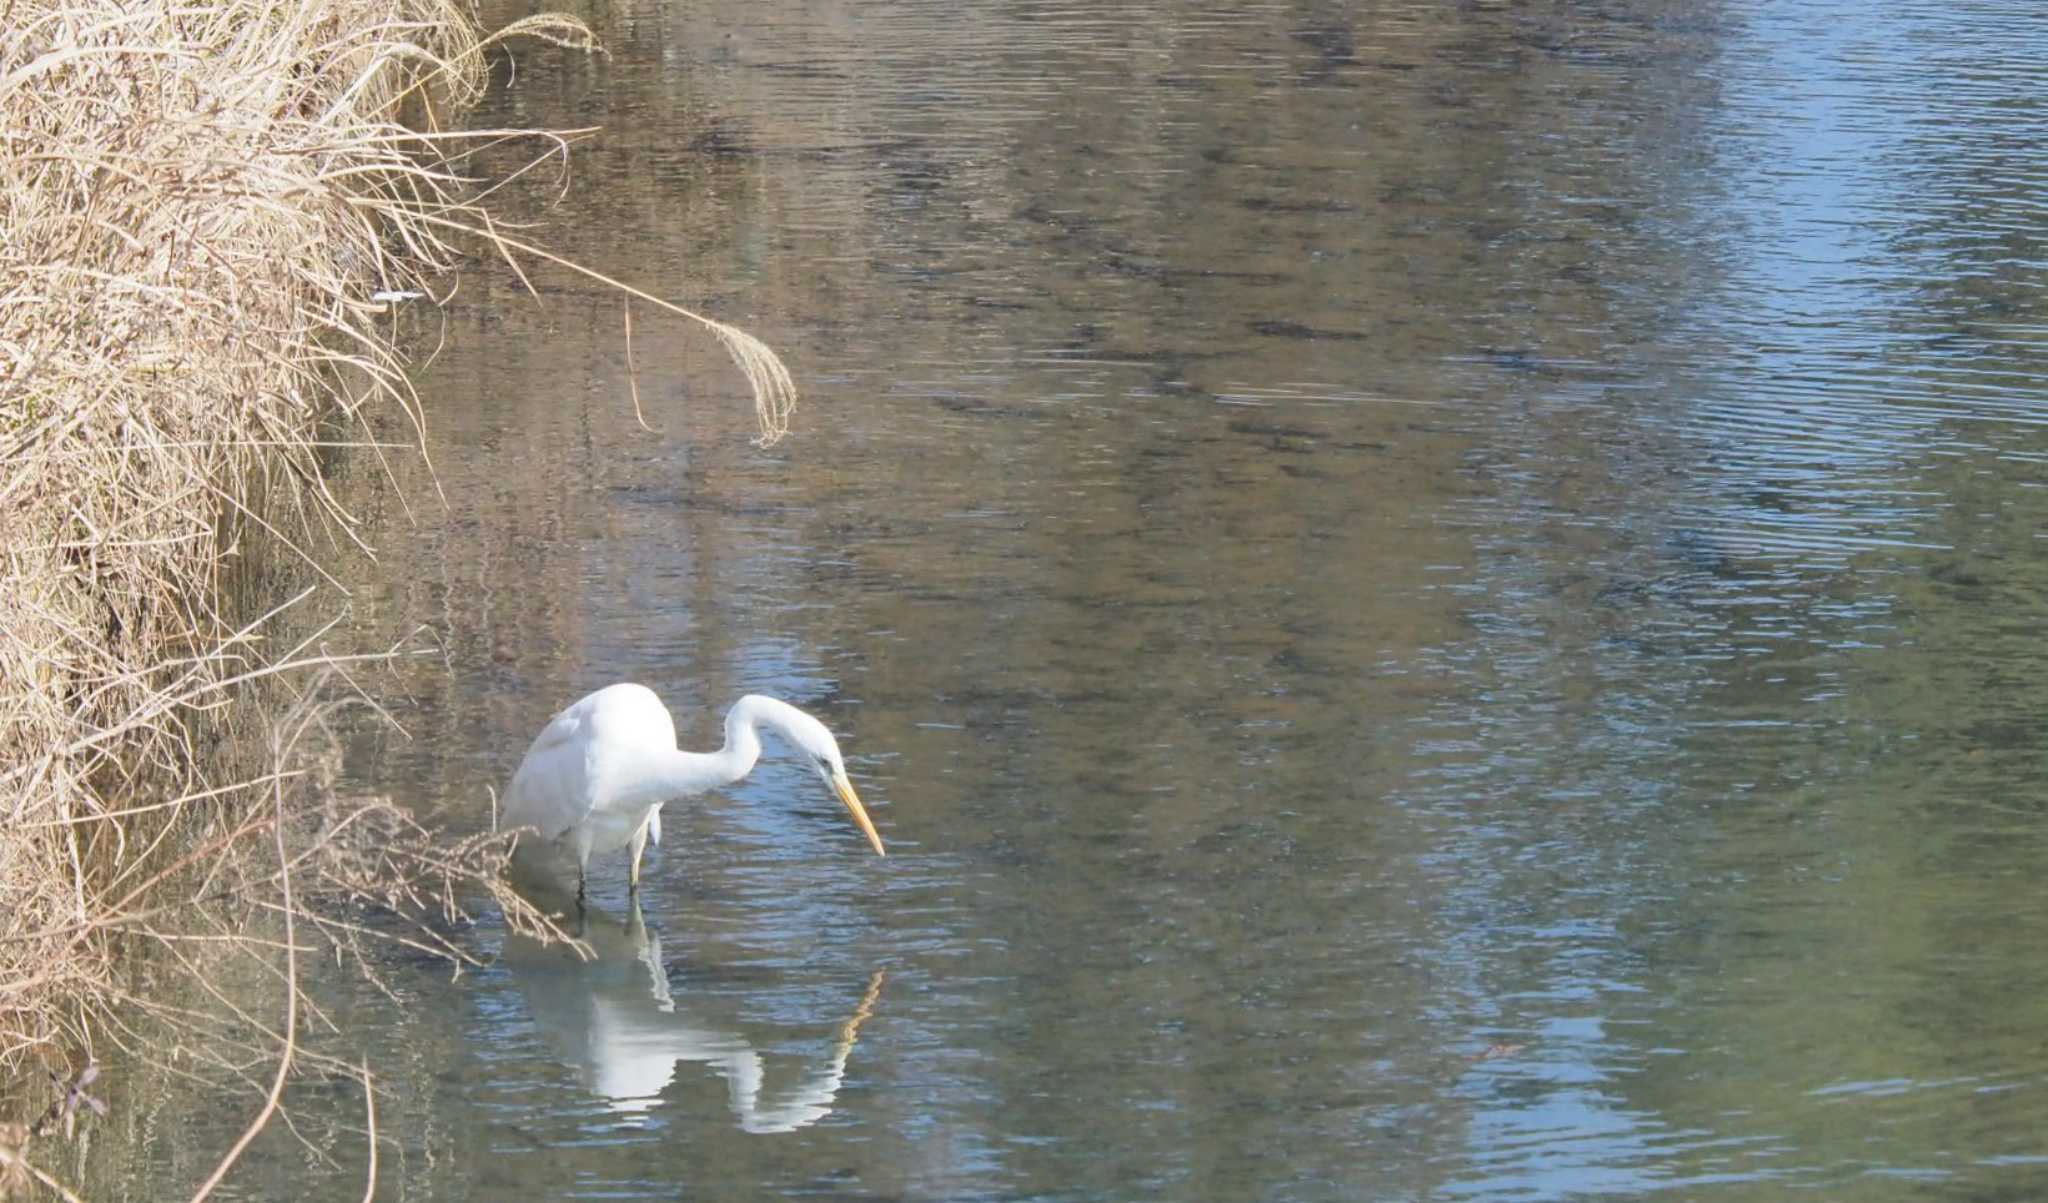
point(681, 773)
point(695, 772)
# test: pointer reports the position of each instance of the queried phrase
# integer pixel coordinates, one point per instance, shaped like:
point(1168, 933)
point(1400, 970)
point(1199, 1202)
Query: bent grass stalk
point(774, 389)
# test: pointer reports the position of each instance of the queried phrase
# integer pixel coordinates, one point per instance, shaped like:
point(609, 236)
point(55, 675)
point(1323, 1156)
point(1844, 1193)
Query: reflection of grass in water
point(206, 213)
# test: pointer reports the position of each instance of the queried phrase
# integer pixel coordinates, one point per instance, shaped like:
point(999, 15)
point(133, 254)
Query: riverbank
point(206, 216)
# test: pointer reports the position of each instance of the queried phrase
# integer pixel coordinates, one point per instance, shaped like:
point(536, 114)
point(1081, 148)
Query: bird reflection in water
point(615, 1020)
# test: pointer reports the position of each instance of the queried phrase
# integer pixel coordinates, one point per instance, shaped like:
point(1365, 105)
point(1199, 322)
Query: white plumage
point(597, 775)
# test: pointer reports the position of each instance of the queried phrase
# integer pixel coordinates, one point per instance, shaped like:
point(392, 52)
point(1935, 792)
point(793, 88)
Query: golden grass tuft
point(185, 262)
point(204, 212)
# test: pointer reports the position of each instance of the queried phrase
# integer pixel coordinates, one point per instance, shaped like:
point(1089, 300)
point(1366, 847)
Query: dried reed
point(200, 207)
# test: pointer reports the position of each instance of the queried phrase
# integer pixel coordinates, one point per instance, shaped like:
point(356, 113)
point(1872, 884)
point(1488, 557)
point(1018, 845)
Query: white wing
point(593, 746)
point(553, 787)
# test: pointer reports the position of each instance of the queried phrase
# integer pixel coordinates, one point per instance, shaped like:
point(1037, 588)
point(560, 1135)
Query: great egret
point(597, 775)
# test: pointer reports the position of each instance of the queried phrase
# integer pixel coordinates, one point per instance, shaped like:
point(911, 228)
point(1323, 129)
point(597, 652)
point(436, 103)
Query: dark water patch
point(1286, 329)
point(1267, 204)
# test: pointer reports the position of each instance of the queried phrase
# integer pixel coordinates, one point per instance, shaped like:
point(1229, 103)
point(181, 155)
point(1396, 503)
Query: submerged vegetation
point(206, 214)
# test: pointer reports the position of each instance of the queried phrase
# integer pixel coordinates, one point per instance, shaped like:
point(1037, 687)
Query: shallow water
point(1435, 601)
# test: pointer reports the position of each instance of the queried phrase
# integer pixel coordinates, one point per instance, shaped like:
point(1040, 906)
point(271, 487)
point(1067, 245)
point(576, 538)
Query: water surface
point(1435, 601)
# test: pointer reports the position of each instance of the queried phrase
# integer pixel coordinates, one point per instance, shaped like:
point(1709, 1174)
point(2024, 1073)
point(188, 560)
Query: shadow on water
point(1440, 600)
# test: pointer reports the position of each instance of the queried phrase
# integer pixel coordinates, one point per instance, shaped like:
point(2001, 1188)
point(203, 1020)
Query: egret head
point(815, 742)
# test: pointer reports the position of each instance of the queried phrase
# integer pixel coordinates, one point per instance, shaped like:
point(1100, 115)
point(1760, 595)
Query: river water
point(1435, 601)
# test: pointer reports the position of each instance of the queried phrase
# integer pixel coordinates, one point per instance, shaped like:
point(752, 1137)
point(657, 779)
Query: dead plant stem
point(291, 997)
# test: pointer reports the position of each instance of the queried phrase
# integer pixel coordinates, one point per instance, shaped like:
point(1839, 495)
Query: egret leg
point(639, 846)
point(582, 848)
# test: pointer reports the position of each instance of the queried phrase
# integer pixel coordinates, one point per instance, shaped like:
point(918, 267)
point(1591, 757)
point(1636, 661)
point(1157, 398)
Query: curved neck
point(694, 772)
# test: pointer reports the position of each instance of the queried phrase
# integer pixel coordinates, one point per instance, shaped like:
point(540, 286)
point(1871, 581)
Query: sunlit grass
point(199, 208)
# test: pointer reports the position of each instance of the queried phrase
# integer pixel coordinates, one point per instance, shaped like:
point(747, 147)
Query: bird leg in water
point(639, 846)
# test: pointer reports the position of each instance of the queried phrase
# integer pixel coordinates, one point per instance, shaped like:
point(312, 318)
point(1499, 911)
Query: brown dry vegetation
point(199, 206)
point(196, 205)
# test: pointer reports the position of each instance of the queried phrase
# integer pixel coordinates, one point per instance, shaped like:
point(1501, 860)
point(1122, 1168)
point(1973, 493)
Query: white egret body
point(598, 774)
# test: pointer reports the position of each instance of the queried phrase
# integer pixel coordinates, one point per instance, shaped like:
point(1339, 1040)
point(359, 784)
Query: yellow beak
point(844, 788)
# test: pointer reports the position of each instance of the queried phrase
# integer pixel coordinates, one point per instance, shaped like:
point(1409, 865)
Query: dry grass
point(203, 209)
